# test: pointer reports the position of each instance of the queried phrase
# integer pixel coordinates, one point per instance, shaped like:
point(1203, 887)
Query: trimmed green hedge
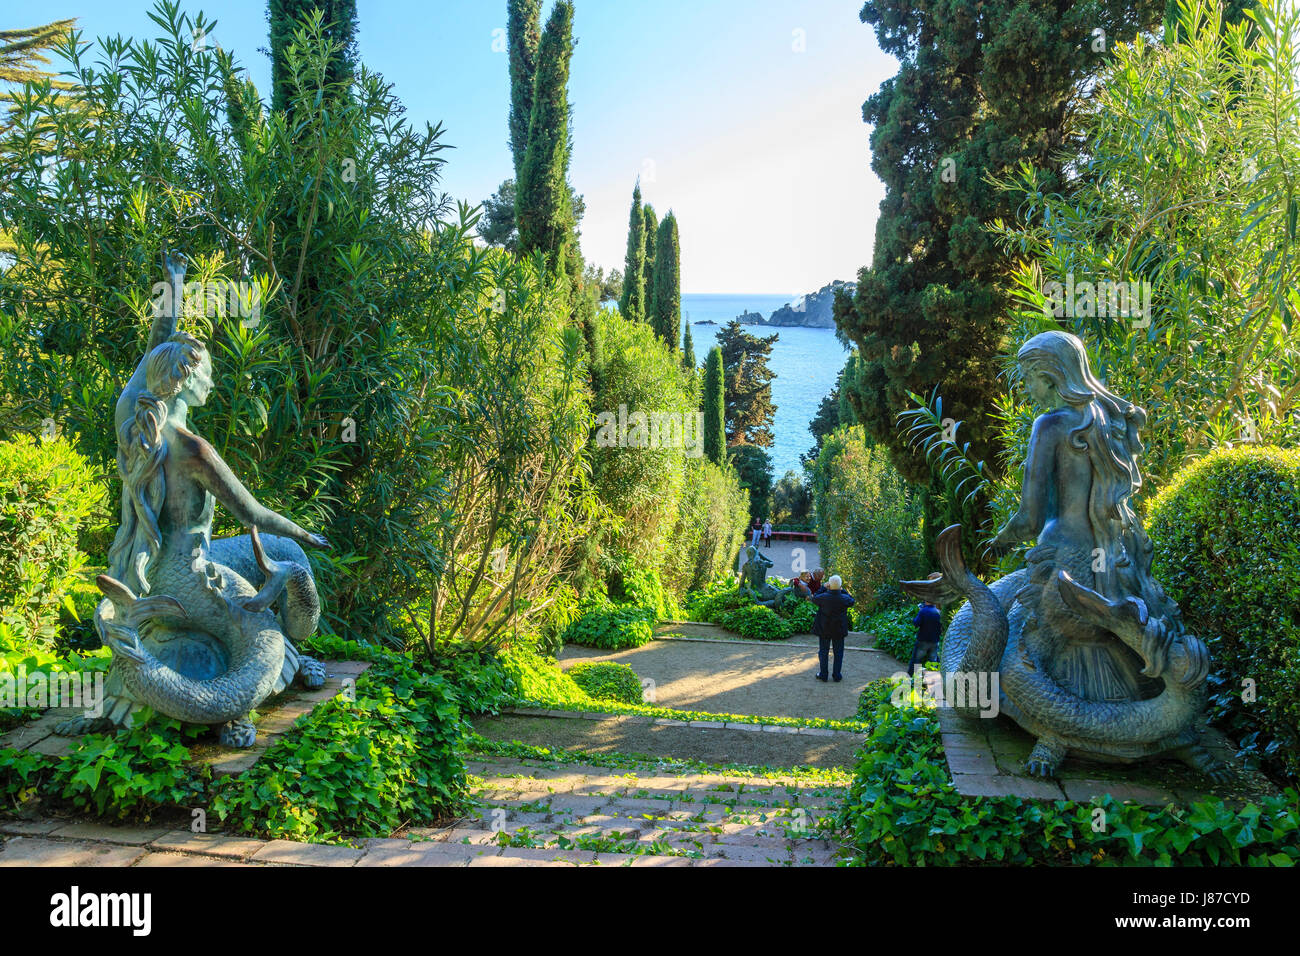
point(607, 680)
point(47, 491)
point(902, 810)
point(1226, 532)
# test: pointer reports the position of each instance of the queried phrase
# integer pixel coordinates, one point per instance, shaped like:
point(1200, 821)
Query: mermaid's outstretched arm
point(215, 475)
point(1030, 517)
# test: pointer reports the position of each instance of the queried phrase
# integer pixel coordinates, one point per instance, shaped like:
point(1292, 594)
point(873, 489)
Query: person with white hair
point(831, 625)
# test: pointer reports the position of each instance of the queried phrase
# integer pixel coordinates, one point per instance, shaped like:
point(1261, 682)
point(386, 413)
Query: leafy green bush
point(800, 613)
point(720, 595)
point(703, 541)
point(47, 491)
point(539, 680)
point(133, 772)
point(757, 623)
point(365, 766)
point(607, 680)
point(1226, 532)
point(903, 810)
point(612, 626)
point(892, 630)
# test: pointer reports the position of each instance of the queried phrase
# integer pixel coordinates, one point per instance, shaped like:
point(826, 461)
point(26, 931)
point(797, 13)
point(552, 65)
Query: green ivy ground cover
point(902, 810)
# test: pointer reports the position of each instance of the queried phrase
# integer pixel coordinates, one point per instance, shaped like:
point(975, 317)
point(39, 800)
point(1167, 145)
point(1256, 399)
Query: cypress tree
point(715, 442)
point(688, 349)
point(667, 299)
point(339, 23)
point(632, 302)
point(543, 204)
point(523, 35)
point(648, 261)
point(982, 86)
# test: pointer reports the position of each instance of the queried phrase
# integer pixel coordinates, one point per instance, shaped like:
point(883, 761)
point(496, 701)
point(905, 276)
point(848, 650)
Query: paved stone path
point(528, 813)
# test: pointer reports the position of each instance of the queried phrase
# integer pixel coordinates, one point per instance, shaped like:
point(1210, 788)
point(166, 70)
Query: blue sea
point(806, 363)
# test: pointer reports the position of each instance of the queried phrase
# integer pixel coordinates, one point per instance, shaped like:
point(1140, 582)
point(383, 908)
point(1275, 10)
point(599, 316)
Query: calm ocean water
point(806, 363)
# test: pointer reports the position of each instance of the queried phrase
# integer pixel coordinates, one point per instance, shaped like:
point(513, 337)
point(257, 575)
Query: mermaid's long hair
point(1108, 434)
point(141, 451)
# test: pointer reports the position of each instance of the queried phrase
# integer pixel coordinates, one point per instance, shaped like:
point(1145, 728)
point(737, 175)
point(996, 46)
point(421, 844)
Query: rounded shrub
point(607, 680)
point(1226, 532)
point(757, 623)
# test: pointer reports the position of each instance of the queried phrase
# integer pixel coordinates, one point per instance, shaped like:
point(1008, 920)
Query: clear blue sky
point(743, 116)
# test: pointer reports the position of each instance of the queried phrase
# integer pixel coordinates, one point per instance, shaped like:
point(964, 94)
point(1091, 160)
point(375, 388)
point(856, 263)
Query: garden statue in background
point(191, 637)
point(1091, 655)
point(753, 578)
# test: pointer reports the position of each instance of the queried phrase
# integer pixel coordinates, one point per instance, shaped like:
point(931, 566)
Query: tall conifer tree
point(715, 427)
point(523, 35)
point(667, 272)
point(688, 348)
point(648, 260)
point(339, 22)
point(543, 207)
point(632, 302)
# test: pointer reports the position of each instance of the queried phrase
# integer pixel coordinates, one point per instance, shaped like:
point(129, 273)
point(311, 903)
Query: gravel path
point(729, 677)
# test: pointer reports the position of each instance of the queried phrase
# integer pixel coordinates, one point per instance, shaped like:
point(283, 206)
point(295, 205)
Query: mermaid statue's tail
point(255, 665)
point(977, 649)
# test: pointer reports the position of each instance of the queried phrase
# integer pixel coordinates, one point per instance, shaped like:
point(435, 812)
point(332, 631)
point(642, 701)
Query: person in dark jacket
point(831, 624)
point(929, 625)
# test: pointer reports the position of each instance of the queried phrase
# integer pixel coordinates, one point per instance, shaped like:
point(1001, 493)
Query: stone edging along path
point(667, 722)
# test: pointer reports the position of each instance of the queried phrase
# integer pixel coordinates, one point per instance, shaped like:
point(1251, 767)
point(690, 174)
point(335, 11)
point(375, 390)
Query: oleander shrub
point(47, 493)
point(607, 680)
point(892, 630)
point(757, 623)
point(902, 810)
point(1226, 532)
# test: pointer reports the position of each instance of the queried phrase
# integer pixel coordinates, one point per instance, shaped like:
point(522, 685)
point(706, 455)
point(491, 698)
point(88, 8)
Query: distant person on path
point(756, 536)
point(767, 533)
point(831, 624)
point(929, 626)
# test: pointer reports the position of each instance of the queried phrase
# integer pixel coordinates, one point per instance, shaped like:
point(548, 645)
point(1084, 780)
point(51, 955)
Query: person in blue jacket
point(831, 624)
point(929, 625)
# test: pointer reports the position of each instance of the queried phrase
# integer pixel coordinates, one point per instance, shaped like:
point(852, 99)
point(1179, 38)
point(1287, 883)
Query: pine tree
point(667, 299)
point(715, 435)
point(632, 303)
point(523, 35)
point(339, 22)
point(648, 260)
point(688, 349)
point(543, 205)
point(748, 397)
